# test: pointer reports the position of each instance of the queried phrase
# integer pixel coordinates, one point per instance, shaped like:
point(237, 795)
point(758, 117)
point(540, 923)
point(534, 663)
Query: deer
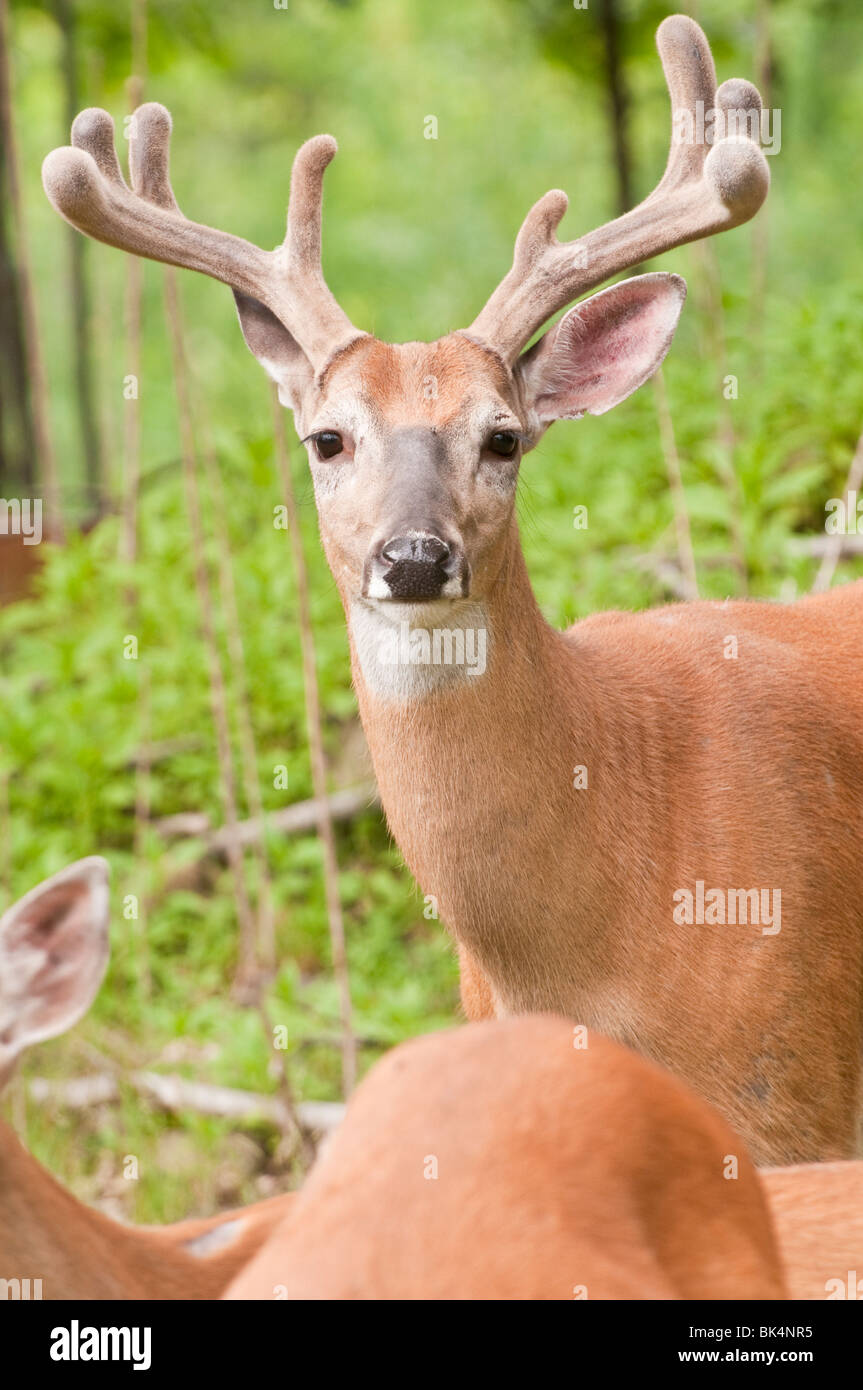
point(53, 955)
point(816, 1210)
point(700, 777)
point(584, 1171)
point(512, 1159)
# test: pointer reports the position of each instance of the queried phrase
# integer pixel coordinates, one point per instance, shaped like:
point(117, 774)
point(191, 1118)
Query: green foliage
point(416, 233)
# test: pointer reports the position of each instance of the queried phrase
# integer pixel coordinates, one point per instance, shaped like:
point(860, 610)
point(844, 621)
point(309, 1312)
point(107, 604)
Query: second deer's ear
point(277, 351)
point(53, 954)
point(604, 348)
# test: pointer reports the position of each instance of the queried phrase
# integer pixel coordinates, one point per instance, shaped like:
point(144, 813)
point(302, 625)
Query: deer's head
point(415, 448)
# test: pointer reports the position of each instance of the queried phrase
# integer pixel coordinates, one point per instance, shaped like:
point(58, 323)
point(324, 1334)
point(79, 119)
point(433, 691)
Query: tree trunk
point(47, 479)
point(17, 446)
point(618, 101)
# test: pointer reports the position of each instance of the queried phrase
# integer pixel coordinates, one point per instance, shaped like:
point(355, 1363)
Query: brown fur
point(53, 955)
point(817, 1212)
point(558, 1171)
point(47, 1234)
point(394, 377)
point(741, 773)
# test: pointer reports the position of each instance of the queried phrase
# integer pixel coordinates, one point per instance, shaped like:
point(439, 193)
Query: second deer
point(53, 954)
point(499, 1161)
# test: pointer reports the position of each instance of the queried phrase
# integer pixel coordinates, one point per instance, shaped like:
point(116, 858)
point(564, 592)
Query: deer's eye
point(504, 442)
point(327, 444)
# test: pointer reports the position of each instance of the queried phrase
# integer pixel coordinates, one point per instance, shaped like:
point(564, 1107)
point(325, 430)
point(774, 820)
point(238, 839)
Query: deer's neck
point(47, 1234)
point(476, 767)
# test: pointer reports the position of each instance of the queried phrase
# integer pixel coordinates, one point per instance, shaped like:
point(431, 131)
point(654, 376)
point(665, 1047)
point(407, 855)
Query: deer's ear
point(277, 351)
point(53, 955)
point(604, 348)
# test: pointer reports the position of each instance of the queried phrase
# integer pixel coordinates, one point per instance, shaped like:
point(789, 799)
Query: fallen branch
point(175, 1094)
point(822, 547)
point(80, 1093)
point(290, 820)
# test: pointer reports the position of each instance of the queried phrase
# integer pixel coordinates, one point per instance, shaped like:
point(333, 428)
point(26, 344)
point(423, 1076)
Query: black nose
point(416, 566)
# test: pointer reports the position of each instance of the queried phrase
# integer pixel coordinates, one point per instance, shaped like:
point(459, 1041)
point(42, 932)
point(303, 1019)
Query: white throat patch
point(219, 1238)
point(407, 651)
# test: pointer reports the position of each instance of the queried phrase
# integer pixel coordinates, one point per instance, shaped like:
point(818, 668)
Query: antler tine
point(84, 183)
point(308, 296)
point(705, 189)
point(150, 154)
point(93, 131)
point(303, 237)
point(690, 76)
